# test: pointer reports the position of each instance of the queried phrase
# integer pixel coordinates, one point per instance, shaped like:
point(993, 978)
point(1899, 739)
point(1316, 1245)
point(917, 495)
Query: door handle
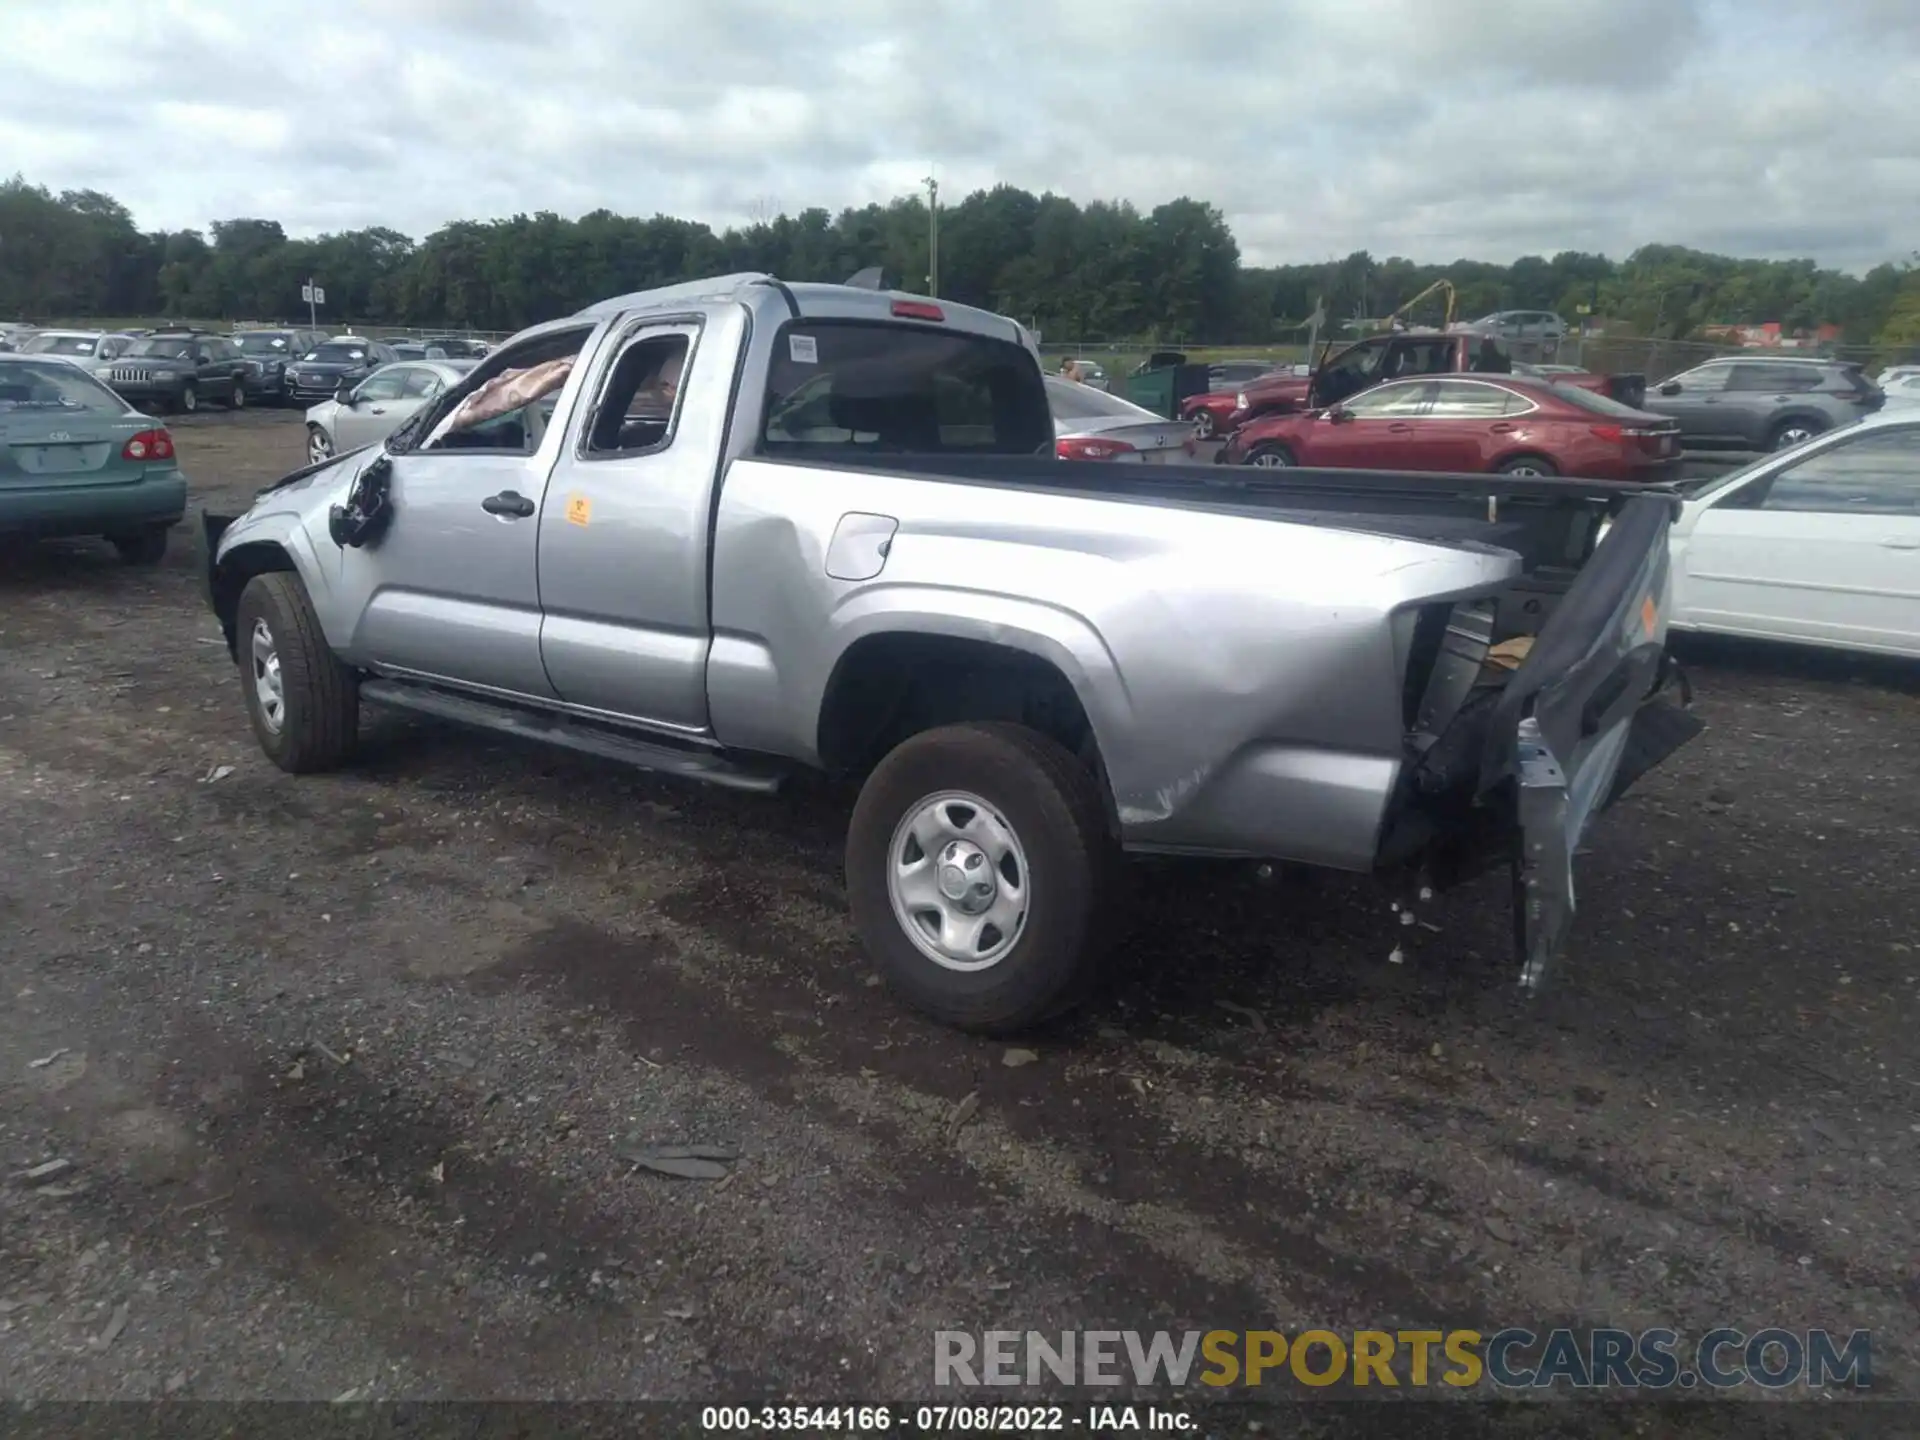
point(1500, 427)
point(1398, 427)
point(1896, 544)
point(508, 503)
point(379, 409)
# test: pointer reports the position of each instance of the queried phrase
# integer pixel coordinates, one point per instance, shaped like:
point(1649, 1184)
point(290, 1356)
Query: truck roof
point(811, 300)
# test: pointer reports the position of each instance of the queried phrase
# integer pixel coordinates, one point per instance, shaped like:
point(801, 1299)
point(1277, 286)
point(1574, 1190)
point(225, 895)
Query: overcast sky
point(1428, 128)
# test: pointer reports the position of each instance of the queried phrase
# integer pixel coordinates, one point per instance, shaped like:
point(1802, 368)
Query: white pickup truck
point(728, 529)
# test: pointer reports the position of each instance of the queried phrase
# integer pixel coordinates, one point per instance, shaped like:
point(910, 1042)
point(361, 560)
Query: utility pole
point(933, 235)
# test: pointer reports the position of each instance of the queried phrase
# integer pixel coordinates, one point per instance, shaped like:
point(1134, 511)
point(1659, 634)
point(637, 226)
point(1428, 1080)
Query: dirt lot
point(351, 1071)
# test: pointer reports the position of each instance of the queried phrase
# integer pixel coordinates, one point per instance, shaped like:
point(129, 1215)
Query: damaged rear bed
point(1529, 707)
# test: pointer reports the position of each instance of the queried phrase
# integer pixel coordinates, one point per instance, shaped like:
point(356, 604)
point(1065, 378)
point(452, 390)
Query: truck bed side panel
point(1286, 627)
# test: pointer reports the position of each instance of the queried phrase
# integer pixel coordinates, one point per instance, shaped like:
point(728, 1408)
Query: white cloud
point(1431, 128)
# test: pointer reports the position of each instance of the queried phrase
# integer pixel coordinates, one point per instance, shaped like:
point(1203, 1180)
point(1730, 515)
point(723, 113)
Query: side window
point(504, 405)
point(638, 402)
point(1873, 474)
point(383, 385)
point(1464, 400)
point(1392, 401)
point(1772, 379)
point(421, 384)
point(1707, 380)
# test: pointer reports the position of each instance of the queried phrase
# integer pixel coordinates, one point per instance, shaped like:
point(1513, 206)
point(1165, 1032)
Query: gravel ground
point(352, 1071)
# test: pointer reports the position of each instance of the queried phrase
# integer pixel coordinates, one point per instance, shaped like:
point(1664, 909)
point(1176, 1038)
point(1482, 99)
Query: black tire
point(1794, 431)
point(1528, 465)
point(320, 698)
point(1052, 803)
point(142, 547)
point(1271, 457)
point(237, 397)
point(189, 399)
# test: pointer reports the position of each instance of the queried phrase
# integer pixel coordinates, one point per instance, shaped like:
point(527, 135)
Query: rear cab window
point(875, 388)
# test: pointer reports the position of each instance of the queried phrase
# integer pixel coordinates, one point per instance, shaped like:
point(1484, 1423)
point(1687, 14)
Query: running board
point(572, 734)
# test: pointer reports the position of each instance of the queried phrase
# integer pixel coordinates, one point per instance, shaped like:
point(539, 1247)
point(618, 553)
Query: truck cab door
point(451, 590)
point(624, 536)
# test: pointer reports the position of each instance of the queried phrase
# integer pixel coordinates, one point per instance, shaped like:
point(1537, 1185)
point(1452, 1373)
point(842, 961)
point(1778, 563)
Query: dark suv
point(343, 360)
point(268, 353)
point(1742, 403)
point(455, 347)
point(177, 369)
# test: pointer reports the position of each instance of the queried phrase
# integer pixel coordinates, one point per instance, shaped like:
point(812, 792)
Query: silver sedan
point(1090, 424)
point(378, 405)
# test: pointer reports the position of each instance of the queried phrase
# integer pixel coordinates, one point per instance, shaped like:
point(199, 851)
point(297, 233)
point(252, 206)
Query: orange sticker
point(580, 511)
point(1649, 616)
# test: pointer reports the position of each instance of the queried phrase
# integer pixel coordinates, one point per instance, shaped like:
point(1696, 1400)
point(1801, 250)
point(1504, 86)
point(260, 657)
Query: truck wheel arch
point(230, 577)
point(889, 685)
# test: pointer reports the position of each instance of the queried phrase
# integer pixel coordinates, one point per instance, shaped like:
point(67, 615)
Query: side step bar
point(563, 730)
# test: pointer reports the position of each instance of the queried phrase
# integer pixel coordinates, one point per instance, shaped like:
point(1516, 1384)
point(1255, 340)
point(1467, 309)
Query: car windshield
point(1069, 401)
point(58, 345)
point(263, 344)
point(338, 354)
point(1599, 404)
point(54, 385)
point(162, 347)
point(891, 388)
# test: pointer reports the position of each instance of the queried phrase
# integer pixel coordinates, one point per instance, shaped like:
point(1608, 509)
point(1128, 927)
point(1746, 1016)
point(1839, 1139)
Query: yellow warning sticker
point(579, 510)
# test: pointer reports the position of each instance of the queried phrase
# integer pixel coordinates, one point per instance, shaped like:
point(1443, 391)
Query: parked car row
point(1816, 543)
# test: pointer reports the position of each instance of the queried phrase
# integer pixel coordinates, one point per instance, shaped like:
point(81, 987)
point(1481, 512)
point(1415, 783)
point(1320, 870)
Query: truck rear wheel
point(982, 875)
point(304, 704)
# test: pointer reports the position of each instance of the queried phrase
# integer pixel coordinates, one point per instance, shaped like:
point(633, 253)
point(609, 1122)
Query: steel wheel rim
point(1793, 435)
point(1533, 470)
point(239, 396)
point(957, 876)
point(268, 691)
point(1270, 460)
point(1203, 425)
point(318, 447)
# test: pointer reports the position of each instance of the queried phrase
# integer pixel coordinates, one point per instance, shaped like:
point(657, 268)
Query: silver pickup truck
point(728, 529)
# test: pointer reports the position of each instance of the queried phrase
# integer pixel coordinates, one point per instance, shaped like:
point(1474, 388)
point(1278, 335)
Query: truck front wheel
point(981, 873)
point(304, 704)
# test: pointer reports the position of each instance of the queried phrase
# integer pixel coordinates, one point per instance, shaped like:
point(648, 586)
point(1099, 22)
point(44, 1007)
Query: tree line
point(1099, 272)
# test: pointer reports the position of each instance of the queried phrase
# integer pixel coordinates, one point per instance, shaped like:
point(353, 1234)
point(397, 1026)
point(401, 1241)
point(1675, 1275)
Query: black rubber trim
point(1591, 664)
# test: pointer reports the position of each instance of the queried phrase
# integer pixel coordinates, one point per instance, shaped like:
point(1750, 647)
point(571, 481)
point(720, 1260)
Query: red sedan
point(1469, 424)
